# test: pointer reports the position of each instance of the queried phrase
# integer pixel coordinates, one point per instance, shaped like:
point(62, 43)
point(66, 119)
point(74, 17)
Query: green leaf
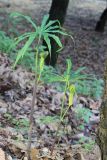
point(80, 70)
point(69, 65)
point(71, 94)
point(56, 38)
point(49, 119)
point(52, 28)
point(16, 14)
point(58, 31)
point(44, 21)
point(24, 49)
point(42, 59)
point(23, 36)
point(51, 23)
point(56, 78)
point(47, 40)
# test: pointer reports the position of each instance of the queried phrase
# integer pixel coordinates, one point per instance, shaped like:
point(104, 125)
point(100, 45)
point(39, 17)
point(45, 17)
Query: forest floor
point(82, 16)
point(90, 51)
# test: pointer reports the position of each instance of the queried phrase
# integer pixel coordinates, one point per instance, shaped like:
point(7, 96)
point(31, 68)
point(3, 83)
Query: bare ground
point(90, 46)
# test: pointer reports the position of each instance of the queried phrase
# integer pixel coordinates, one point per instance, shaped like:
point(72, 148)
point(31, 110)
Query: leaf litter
point(15, 102)
point(16, 95)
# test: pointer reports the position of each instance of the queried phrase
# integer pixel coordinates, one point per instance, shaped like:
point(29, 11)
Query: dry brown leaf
point(95, 105)
point(5, 132)
point(8, 157)
point(17, 144)
point(57, 98)
point(34, 154)
point(2, 154)
point(46, 158)
point(17, 147)
point(82, 157)
point(25, 158)
point(10, 78)
point(68, 155)
point(83, 100)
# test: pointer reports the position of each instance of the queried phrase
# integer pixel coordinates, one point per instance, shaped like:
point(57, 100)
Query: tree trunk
point(57, 12)
point(102, 131)
point(101, 23)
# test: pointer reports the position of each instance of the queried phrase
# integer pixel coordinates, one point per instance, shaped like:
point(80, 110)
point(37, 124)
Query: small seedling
point(47, 30)
point(92, 87)
point(87, 143)
point(5, 42)
point(19, 123)
point(68, 80)
point(83, 113)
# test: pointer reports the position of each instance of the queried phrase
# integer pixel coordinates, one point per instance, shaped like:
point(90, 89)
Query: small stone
point(96, 112)
point(3, 110)
point(94, 119)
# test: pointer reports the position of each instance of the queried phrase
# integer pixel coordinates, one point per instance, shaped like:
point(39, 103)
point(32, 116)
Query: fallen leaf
point(2, 154)
point(34, 154)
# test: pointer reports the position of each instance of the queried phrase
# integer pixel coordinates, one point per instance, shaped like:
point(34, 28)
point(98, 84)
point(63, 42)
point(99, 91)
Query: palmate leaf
point(45, 31)
point(48, 27)
point(22, 52)
point(16, 14)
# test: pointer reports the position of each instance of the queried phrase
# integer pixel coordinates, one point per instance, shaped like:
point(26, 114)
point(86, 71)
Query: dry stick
point(31, 119)
point(32, 105)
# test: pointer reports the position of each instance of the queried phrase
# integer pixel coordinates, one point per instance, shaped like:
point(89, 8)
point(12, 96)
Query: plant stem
point(62, 105)
point(33, 102)
point(62, 115)
point(62, 118)
point(53, 146)
point(31, 118)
